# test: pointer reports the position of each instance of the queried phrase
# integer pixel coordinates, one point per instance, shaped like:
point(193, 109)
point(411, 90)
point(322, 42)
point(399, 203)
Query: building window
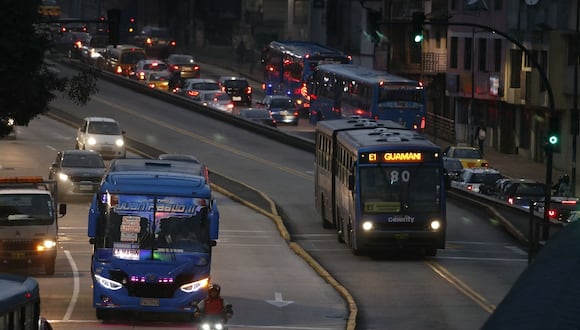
point(498, 5)
point(453, 53)
point(497, 55)
point(482, 54)
point(437, 39)
point(467, 53)
point(301, 10)
point(516, 68)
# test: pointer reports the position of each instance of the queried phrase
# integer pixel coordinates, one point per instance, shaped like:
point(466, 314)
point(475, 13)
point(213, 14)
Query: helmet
point(565, 178)
point(215, 287)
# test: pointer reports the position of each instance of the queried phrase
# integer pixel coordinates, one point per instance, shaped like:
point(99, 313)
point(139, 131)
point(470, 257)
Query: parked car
point(237, 88)
point(261, 116)
point(77, 172)
point(103, 135)
point(469, 156)
point(472, 178)
point(282, 107)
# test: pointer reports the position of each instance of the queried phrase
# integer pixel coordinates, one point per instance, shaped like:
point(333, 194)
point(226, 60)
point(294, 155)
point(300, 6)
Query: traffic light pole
point(544, 77)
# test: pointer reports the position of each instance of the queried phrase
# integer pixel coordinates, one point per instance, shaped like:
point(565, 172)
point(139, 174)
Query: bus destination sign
point(395, 157)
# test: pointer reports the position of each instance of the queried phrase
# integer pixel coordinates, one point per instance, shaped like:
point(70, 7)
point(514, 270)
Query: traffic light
point(552, 142)
point(418, 21)
point(373, 30)
point(131, 28)
point(114, 20)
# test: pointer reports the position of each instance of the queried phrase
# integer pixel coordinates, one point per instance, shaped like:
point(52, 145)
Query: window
point(516, 68)
point(497, 54)
point(482, 54)
point(467, 53)
point(453, 53)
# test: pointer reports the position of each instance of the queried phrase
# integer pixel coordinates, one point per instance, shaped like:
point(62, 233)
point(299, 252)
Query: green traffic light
point(418, 38)
point(553, 139)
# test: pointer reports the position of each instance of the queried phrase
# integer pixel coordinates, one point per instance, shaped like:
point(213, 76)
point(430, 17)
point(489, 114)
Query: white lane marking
point(76, 286)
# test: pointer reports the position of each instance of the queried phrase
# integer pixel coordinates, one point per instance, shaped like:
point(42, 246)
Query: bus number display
point(391, 157)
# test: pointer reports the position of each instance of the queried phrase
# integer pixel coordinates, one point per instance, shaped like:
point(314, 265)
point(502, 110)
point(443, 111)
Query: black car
point(453, 169)
point(522, 192)
point(238, 89)
point(77, 172)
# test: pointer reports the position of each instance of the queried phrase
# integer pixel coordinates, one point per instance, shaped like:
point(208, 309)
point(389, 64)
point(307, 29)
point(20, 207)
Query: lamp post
point(575, 109)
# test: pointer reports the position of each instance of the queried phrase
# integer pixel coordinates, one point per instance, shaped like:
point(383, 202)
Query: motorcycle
point(216, 322)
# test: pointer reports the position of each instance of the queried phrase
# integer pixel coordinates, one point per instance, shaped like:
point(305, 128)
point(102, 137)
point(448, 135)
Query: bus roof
point(361, 73)
point(155, 182)
point(303, 48)
point(360, 133)
point(155, 165)
point(16, 290)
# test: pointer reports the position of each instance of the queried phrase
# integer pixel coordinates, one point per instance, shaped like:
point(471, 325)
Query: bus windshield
point(180, 224)
point(400, 189)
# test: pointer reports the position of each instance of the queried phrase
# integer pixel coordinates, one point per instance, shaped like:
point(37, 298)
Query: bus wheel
point(103, 314)
point(430, 252)
point(49, 267)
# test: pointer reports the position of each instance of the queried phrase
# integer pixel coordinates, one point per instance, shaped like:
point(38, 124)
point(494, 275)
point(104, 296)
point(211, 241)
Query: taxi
point(469, 156)
point(157, 80)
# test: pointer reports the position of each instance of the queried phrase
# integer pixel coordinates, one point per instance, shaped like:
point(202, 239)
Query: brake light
point(78, 44)
point(152, 85)
point(510, 200)
point(173, 43)
point(552, 213)
point(572, 202)
point(196, 68)
point(484, 164)
point(223, 89)
point(249, 90)
point(193, 93)
point(295, 113)
point(423, 122)
point(22, 179)
point(469, 187)
point(149, 41)
point(119, 70)
point(264, 86)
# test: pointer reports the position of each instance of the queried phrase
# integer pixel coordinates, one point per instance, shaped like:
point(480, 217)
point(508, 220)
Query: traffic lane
point(460, 287)
point(253, 264)
point(300, 216)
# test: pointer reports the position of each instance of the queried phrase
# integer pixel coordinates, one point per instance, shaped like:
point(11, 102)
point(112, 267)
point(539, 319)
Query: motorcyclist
point(214, 305)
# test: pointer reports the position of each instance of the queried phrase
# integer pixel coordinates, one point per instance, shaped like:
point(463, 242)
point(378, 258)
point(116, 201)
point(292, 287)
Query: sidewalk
point(509, 165)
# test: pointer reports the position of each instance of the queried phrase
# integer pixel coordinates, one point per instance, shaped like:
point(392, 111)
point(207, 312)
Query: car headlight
point(92, 141)
point(435, 225)
point(194, 286)
point(367, 225)
point(119, 142)
point(62, 176)
point(46, 245)
point(107, 283)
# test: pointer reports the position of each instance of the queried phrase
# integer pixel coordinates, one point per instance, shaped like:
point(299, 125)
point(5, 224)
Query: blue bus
point(20, 303)
point(288, 64)
point(380, 185)
point(152, 228)
point(342, 91)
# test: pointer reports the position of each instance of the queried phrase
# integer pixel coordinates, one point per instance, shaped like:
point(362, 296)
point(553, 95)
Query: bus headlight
point(63, 177)
point(107, 283)
point(194, 286)
point(92, 141)
point(435, 225)
point(367, 225)
point(119, 142)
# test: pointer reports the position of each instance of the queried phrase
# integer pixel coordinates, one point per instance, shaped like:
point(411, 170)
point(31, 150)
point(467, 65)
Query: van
point(121, 59)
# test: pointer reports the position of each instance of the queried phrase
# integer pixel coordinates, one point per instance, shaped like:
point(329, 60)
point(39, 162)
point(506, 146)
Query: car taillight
point(552, 213)
point(152, 85)
point(149, 41)
point(571, 202)
point(296, 113)
point(485, 164)
point(176, 67)
point(510, 200)
point(119, 70)
point(249, 90)
point(192, 93)
point(173, 43)
point(469, 187)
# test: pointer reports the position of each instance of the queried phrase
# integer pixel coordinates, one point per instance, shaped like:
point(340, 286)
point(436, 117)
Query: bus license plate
point(401, 236)
point(18, 255)
point(85, 187)
point(236, 98)
point(149, 302)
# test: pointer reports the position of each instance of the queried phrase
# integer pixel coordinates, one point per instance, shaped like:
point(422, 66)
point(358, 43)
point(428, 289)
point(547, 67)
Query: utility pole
point(574, 124)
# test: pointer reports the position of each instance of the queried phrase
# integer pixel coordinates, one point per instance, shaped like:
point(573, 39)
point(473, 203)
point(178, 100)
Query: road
point(252, 262)
point(458, 289)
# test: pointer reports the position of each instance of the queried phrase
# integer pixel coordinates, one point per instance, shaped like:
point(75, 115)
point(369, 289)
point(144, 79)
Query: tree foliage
point(27, 82)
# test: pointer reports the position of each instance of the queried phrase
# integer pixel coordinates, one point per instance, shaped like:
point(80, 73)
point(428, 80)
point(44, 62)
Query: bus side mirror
point(351, 182)
point(92, 240)
point(213, 242)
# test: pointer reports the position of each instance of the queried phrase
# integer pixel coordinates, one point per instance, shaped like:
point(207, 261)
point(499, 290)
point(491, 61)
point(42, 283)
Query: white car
point(216, 100)
point(474, 177)
point(103, 135)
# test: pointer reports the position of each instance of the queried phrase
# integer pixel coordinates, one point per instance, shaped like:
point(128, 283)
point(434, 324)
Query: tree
point(27, 83)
